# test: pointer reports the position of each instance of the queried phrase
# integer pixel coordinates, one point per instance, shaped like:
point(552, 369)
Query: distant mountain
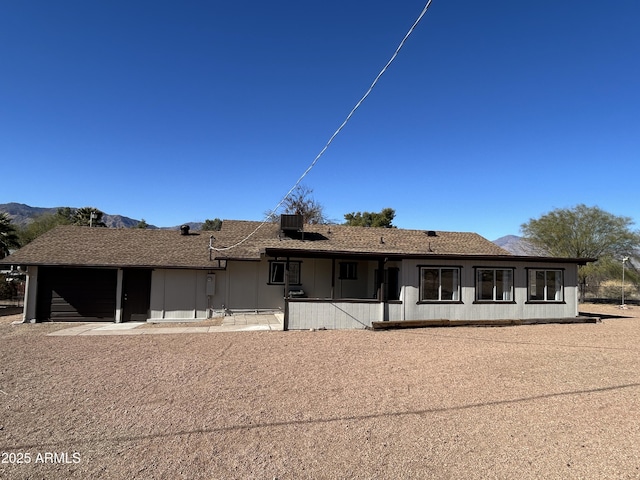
point(516, 245)
point(22, 215)
point(118, 221)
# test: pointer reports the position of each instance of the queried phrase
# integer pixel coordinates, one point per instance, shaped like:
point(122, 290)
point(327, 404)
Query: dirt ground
point(527, 402)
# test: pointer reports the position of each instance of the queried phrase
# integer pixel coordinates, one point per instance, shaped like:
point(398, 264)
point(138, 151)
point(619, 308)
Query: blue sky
point(493, 113)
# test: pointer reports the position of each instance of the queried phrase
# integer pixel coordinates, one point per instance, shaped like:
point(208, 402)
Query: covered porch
point(319, 313)
point(338, 291)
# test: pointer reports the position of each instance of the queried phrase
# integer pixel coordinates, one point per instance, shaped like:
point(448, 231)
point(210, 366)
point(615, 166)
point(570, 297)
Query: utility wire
point(335, 134)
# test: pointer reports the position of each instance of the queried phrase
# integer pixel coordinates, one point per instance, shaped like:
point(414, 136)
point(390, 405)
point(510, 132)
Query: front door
point(136, 291)
point(391, 283)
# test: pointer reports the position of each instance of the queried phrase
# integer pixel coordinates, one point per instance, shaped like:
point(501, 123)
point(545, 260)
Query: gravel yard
point(542, 401)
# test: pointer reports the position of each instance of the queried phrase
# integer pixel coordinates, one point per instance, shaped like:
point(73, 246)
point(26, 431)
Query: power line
point(335, 134)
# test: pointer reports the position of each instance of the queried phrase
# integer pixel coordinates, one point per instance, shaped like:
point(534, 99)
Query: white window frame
point(277, 266)
point(506, 294)
point(455, 290)
point(535, 289)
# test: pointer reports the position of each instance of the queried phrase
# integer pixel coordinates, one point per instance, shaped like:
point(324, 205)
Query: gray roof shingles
point(113, 247)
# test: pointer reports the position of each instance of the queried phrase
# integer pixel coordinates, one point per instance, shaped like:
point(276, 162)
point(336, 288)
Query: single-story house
point(318, 276)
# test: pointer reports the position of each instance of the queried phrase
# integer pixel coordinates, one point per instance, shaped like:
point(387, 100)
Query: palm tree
point(8, 235)
point(88, 216)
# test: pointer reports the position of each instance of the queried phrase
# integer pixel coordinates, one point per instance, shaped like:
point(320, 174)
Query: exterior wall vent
point(291, 223)
point(184, 230)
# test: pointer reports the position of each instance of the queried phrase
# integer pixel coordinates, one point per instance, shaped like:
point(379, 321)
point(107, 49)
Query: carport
point(76, 294)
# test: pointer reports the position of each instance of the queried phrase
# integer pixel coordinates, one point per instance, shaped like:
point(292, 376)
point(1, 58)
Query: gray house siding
point(469, 309)
point(178, 294)
point(181, 294)
point(333, 314)
point(345, 313)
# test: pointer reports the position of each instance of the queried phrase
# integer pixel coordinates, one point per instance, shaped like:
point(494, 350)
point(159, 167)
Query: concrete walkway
point(230, 323)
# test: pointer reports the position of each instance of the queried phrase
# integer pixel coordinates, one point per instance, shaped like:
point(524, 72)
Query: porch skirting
point(478, 323)
point(332, 314)
point(305, 314)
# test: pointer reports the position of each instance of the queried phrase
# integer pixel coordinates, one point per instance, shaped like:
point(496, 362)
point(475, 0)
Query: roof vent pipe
point(184, 230)
point(431, 233)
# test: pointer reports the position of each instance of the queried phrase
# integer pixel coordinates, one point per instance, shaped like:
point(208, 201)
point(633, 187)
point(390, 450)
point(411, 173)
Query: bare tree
point(301, 202)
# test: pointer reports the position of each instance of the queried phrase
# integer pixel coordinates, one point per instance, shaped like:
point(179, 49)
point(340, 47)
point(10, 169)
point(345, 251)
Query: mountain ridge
point(22, 214)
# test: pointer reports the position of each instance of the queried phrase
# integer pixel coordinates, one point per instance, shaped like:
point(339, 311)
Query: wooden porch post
point(118, 312)
point(286, 278)
point(285, 325)
point(333, 278)
point(380, 293)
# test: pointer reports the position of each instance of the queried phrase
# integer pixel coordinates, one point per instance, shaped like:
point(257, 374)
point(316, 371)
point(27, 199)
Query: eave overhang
point(289, 252)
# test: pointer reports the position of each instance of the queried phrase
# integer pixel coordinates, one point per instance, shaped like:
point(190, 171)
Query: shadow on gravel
point(604, 316)
point(6, 311)
point(319, 421)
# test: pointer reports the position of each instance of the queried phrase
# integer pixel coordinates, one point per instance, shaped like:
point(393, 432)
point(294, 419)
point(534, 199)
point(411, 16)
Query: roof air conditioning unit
point(291, 223)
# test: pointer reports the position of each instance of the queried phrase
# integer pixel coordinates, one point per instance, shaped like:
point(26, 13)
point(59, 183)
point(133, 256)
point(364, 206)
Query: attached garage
point(76, 294)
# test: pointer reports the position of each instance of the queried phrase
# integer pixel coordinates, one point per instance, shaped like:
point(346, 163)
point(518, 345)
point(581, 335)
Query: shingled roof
point(114, 247)
point(120, 247)
point(345, 240)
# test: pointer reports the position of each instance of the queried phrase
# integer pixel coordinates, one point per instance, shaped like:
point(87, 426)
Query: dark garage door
point(76, 294)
